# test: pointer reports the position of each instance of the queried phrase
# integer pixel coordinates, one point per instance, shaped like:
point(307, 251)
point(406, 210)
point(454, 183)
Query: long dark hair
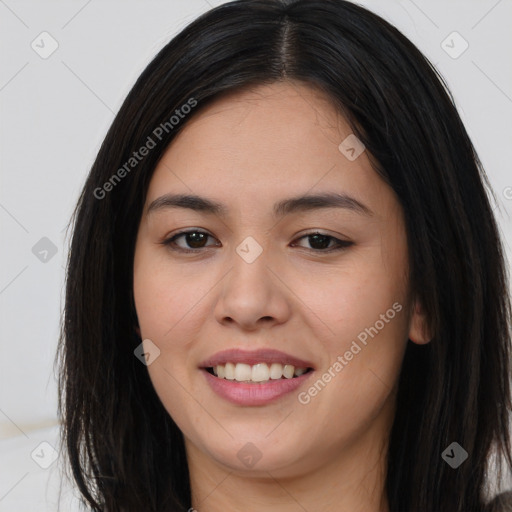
point(124, 451)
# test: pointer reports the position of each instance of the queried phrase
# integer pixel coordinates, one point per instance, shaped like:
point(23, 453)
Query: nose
point(252, 295)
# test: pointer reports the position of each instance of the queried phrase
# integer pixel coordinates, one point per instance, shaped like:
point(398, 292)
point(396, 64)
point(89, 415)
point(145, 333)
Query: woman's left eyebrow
point(281, 208)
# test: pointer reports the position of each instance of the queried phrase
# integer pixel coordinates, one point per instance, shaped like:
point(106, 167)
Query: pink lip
point(268, 356)
point(244, 394)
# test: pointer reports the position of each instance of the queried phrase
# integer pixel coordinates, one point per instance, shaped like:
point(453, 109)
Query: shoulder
point(501, 503)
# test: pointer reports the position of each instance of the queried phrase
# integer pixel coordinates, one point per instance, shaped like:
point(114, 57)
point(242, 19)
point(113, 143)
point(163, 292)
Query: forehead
point(270, 141)
point(269, 119)
point(294, 100)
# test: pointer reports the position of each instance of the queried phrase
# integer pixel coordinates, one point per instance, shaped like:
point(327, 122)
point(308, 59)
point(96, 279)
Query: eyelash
point(170, 242)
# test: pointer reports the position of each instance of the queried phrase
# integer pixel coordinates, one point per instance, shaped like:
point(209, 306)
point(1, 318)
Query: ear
point(419, 331)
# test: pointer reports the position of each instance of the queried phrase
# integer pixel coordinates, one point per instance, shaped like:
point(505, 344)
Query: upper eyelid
point(200, 230)
point(167, 240)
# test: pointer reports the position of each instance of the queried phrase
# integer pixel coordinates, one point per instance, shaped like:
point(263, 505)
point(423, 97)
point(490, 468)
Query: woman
point(286, 289)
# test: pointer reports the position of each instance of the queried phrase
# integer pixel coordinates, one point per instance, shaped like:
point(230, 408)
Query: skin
point(248, 150)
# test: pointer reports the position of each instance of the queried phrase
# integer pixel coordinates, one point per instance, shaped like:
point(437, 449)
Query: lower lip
point(241, 393)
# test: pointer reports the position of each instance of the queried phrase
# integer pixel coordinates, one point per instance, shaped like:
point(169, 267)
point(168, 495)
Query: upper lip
point(252, 357)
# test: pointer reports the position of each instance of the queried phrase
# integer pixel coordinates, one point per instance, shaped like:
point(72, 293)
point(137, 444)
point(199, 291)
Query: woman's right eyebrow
point(281, 208)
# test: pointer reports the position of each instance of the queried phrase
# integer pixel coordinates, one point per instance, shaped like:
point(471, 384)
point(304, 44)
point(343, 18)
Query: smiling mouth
point(260, 373)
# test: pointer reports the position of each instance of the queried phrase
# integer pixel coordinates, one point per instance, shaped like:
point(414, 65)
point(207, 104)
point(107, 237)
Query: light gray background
point(54, 115)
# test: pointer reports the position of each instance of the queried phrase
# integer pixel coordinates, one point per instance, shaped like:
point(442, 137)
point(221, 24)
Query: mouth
point(255, 378)
point(259, 373)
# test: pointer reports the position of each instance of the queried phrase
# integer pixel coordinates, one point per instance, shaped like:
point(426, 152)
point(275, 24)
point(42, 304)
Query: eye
point(321, 242)
point(193, 238)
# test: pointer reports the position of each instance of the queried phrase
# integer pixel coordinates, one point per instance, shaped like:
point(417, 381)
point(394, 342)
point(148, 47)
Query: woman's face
point(259, 295)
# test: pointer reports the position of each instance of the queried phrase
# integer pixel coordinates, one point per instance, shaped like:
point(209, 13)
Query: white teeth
point(229, 371)
point(260, 372)
point(288, 371)
point(243, 372)
point(276, 371)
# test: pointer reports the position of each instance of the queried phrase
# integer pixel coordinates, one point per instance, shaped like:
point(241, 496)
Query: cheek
point(361, 323)
point(343, 303)
point(166, 297)
point(168, 305)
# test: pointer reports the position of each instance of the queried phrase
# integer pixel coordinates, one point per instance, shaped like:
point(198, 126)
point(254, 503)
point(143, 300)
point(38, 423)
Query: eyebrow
point(282, 208)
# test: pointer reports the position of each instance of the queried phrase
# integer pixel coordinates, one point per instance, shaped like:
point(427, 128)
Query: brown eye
point(320, 242)
point(193, 239)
